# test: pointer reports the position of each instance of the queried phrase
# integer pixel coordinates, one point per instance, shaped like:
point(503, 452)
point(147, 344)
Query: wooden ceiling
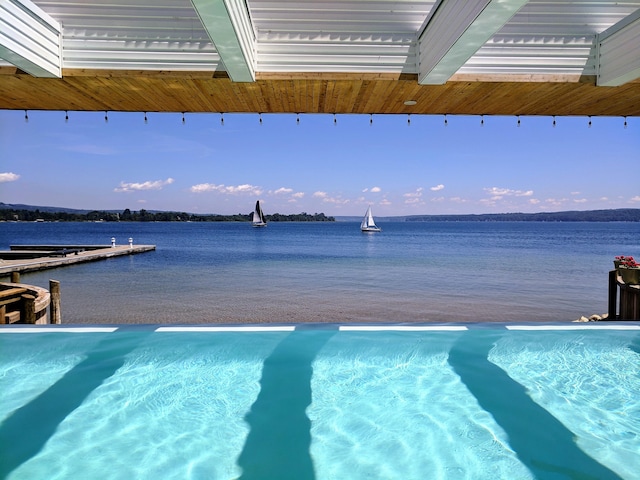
point(340, 93)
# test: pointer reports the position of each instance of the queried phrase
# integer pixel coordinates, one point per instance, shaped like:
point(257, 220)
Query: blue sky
point(316, 165)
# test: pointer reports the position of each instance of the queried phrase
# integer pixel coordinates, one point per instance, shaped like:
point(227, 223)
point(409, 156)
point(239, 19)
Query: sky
point(315, 163)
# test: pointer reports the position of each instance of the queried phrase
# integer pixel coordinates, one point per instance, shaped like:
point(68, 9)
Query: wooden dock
point(30, 258)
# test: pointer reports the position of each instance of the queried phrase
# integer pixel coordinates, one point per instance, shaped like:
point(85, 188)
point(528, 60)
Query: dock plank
point(45, 262)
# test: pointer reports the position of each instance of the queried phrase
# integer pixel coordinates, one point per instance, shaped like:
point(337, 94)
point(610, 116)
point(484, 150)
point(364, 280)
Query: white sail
point(368, 224)
point(258, 219)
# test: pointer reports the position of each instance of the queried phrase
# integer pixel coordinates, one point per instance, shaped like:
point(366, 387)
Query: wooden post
point(15, 277)
point(613, 295)
point(3, 314)
point(54, 290)
point(29, 302)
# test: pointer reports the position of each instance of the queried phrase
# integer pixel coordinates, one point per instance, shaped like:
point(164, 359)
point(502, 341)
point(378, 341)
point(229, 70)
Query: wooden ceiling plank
point(177, 92)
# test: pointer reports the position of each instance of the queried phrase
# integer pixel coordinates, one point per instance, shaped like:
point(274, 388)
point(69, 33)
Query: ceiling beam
point(30, 39)
point(455, 32)
point(619, 52)
point(229, 26)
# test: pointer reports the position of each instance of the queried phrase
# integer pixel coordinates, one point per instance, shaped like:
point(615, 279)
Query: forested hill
point(617, 215)
point(26, 213)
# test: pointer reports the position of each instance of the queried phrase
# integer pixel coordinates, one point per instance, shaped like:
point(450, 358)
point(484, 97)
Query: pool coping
point(246, 328)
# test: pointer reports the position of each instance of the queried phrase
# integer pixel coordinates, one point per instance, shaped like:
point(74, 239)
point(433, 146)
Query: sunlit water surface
point(331, 272)
point(321, 403)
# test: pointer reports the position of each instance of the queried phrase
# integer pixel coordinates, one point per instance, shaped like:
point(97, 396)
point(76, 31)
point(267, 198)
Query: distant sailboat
point(368, 225)
point(258, 217)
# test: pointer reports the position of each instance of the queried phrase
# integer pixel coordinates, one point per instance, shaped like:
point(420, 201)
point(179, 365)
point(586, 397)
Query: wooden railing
point(624, 299)
point(21, 303)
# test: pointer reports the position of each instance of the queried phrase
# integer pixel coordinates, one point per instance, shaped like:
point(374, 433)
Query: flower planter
point(630, 275)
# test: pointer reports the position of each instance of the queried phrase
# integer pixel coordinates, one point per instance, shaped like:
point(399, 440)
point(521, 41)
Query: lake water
point(331, 272)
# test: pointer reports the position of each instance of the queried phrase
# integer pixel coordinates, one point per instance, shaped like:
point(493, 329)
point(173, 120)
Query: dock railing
point(624, 298)
point(20, 303)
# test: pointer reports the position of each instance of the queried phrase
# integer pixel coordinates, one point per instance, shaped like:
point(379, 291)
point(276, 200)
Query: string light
point(554, 121)
point(66, 116)
point(589, 121)
point(335, 120)
point(482, 120)
point(625, 122)
point(446, 122)
point(518, 120)
point(297, 119)
point(371, 119)
point(260, 118)
point(106, 117)
point(183, 120)
point(26, 117)
point(222, 118)
point(146, 120)
point(408, 119)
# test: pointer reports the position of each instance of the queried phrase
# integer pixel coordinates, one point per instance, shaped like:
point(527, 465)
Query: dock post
point(15, 277)
point(29, 308)
point(3, 314)
point(54, 290)
point(613, 294)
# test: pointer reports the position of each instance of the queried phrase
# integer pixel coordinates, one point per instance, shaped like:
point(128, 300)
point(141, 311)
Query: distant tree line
point(24, 215)
point(614, 215)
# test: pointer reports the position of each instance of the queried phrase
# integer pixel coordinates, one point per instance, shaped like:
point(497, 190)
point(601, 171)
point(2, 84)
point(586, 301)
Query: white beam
point(456, 30)
point(30, 39)
point(229, 26)
point(619, 52)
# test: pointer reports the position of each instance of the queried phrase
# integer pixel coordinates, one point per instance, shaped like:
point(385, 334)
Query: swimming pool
point(476, 401)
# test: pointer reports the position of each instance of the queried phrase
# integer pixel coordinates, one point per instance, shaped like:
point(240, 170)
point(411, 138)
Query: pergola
point(473, 57)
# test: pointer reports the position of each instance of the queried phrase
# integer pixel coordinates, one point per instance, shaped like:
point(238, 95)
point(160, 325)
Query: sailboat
point(258, 217)
point(368, 225)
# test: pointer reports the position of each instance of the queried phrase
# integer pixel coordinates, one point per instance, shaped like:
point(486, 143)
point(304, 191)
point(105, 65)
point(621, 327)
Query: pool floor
point(481, 401)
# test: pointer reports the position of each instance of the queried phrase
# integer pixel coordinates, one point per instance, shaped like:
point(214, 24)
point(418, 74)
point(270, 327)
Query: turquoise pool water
point(321, 402)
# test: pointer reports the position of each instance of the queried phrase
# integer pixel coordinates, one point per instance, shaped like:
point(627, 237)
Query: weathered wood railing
point(624, 299)
point(21, 303)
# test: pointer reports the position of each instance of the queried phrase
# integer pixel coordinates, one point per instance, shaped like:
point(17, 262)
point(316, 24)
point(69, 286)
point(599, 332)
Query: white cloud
point(414, 198)
point(298, 195)
point(385, 202)
point(416, 194)
point(376, 190)
point(437, 188)
point(327, 199)
point(148, 185)
point(283, 190)
point(580, 200)
point(636, 198)
point(8, 177)
point(498, 193)
point(244, 189)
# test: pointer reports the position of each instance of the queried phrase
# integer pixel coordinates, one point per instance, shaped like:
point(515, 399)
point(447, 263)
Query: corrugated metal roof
point(132, 35)
point(544, 37)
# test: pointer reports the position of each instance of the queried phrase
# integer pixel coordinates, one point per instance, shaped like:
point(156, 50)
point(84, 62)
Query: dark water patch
point(539, 440)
